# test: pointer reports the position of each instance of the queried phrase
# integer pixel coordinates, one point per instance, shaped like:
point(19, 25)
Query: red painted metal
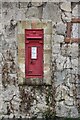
point(34, 53)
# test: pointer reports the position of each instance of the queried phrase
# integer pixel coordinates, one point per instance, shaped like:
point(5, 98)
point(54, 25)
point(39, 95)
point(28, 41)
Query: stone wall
point(63, 95)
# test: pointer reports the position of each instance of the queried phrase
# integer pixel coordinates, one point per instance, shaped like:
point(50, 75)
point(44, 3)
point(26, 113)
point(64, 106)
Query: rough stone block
point(68, 63)
point(0, 57)
point(37, 4)
point(5, 45)
point(66, 50)
point(74, 62)
point(21, 60)
point(66, 6)
point(8, 14)
point(60, 62)
point(74, 52)
point(69, 100)
point(33, 12)
point(75, 71)
point(28, 24)
point(21, 53)
point(0, 26)
point(21, 39)
point(52, 11)
point(21, 46)
point(0, 79)
point(1, 103)
point(47, 46)
point(59, 77)
point(47, 28)
point(47, 39)
point(23, 24)
point(10, 92)
point(36, 24)
point(20, 28)
point(56, 48)
point(58, 39)
point(47, 59)
point(47, 77)
point(61, 28)
point(20, 14)
point(75, 11)
point(22, 5)
point(21, 70)
point(60, 108)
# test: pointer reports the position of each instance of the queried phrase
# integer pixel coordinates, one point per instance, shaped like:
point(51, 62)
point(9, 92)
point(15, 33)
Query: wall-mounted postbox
point(34, 53)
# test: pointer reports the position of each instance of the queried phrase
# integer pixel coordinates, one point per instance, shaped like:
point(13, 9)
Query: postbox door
point(34, 54)
point(34, 60)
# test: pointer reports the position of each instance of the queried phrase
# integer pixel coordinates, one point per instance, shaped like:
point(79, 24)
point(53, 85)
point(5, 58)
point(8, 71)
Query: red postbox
point(34, 53)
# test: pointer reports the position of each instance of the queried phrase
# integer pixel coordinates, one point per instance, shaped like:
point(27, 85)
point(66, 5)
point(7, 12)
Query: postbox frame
point(46, 25)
